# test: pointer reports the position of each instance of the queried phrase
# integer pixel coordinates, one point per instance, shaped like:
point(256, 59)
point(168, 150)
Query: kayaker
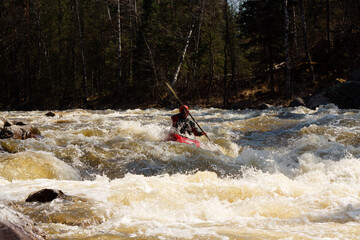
point(184, 125)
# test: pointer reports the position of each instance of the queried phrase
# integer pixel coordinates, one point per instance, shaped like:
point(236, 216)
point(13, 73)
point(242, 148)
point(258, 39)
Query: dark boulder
point(297, 102)
point(345, 95)
point(317, 100)
point(45, 195)
point(50, 114)
point(264, 106)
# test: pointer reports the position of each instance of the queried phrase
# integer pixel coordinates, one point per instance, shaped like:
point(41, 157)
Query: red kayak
point(178, 138)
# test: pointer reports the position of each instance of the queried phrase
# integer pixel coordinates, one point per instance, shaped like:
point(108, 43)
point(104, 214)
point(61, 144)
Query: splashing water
point(282, 173)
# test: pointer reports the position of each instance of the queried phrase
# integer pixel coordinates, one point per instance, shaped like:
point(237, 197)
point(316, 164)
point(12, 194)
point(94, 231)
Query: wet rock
point(45, 195)
point(344, 95)
point(264, 106)
point(317, 100)
point(15, 226)
point(3, 123)
point(70, 210)
point(19, 130)
point(297, 102)
point(50, 114)
point(12, 131)
point(30, 132)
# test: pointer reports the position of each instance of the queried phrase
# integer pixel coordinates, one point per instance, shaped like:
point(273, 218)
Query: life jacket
point(184, 125)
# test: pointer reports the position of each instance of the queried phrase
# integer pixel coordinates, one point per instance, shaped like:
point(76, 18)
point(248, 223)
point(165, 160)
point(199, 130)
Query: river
point(280, 173)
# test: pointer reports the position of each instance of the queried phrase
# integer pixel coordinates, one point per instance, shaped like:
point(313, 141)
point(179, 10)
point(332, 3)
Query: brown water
point(282, 173)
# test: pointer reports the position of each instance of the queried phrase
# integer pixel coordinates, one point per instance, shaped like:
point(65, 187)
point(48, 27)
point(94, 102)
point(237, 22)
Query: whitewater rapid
point(280, 173)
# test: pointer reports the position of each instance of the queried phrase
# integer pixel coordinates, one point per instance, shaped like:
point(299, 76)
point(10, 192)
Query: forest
point(63, 54)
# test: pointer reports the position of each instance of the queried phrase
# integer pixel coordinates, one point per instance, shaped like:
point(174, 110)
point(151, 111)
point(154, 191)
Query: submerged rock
point(70, 210)
point(45, 195)
point(15, 226)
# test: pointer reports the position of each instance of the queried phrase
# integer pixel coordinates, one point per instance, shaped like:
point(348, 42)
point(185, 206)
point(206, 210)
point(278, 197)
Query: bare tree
point(109, 16)
point(328, 24)
point(27, 50)
point(43, 50)
point(294, 28)
point(121, 87)
point(287, 51)
point(84, 82)
point(148, 47)
point(226, 46)
point(183, 52)
point(60, 42)
point(305, 39)
point(212, 63)
point(197, 43)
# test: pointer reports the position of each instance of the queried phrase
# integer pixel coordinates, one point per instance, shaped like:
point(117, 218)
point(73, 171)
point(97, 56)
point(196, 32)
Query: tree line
point(74, 53)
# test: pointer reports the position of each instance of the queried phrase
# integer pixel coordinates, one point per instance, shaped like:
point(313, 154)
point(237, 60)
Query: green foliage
point(42, 67)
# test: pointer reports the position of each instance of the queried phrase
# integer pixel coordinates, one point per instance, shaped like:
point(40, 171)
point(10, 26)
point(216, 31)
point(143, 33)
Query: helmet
point(183, 107)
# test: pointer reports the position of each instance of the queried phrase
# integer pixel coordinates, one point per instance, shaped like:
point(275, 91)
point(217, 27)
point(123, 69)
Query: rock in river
point(18, 130)
point(45, 195)
point(15, 226)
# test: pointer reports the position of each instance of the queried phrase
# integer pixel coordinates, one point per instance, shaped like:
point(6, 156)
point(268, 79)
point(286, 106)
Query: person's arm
point(175, 119)
point(197, 132)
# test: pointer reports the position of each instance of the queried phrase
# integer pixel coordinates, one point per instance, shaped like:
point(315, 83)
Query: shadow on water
point(189, 166)
point(178, 158)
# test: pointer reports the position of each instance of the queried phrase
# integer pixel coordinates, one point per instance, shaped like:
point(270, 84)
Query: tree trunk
point(227, 39)
point(287, 51)
point(211, 68)
point(150, 52)
point(60, 45)
point(27, 53)
point(43, 47)
point(328, 24)
point(109, 16)
point(183, 53)
point(196, 57)
point(232, 57)
point(295, 31)
point(271, 67)
point(84, 82)
point(120, 82)
point(305, 40)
